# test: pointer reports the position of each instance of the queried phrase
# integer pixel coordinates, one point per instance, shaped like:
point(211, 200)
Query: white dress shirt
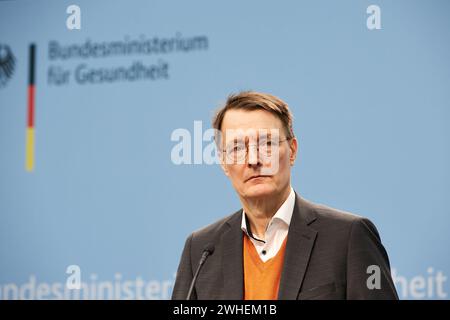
point(276, 231)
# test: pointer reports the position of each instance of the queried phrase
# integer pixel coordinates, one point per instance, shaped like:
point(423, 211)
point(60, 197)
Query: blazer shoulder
point(211, 231)
point(329, 215)
point(337, 222)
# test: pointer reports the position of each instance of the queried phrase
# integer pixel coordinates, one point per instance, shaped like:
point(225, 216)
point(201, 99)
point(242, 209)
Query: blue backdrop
point(105, 195)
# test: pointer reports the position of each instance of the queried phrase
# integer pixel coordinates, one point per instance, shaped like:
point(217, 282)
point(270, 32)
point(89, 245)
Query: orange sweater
point(261, 279)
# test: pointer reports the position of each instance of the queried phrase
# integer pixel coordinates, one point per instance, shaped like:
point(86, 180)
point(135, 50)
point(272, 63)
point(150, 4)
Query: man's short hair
point(252, 100)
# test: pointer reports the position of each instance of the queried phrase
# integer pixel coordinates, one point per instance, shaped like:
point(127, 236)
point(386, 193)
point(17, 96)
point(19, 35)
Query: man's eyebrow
point(233, 140)
point(246, 138)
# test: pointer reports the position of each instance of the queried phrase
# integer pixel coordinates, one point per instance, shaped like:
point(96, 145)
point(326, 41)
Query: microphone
point(207, 251)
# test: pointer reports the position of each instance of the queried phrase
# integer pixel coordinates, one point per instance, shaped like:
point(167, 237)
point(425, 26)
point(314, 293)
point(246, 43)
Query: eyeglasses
point(237, 150)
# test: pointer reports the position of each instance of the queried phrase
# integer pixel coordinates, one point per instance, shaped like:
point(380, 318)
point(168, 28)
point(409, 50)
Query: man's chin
point(259, 190)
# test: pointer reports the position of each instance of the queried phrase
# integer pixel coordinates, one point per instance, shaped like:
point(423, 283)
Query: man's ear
point(221, 154)
point(224, 165)
point(293, 147)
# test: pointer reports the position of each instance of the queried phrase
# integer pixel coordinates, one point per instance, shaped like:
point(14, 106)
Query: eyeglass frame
point(247, 146)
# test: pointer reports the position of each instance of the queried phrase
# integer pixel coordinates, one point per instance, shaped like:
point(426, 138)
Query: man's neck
point(260, 211)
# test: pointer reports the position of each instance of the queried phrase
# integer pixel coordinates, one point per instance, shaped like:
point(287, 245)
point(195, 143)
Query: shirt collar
point(284, 214)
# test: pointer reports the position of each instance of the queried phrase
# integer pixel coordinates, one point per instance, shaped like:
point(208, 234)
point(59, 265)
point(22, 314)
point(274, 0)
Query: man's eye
point(235, 148)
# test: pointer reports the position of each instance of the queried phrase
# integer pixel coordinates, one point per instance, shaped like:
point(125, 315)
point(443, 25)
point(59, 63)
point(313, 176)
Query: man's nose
point(253, 155)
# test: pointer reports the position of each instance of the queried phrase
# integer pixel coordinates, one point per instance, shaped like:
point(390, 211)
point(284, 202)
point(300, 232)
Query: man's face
point(255, 176)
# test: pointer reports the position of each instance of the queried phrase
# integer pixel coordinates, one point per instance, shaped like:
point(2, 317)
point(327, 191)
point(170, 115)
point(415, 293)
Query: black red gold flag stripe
point(29, 152)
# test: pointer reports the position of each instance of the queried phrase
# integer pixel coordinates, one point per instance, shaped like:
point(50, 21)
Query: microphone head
point(209, 247)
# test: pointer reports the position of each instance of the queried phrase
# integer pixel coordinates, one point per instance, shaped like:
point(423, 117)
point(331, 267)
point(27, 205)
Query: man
point(279, 245)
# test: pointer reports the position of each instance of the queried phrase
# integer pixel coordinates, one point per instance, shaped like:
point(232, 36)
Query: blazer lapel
point(300, 242)
point(233, 270)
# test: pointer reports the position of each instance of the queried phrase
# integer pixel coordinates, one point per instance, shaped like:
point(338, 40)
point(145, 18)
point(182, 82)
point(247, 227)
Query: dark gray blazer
point(327, 255)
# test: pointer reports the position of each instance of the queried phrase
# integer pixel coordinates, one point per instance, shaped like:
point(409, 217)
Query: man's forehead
point(249, 133)
point(254, 119)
